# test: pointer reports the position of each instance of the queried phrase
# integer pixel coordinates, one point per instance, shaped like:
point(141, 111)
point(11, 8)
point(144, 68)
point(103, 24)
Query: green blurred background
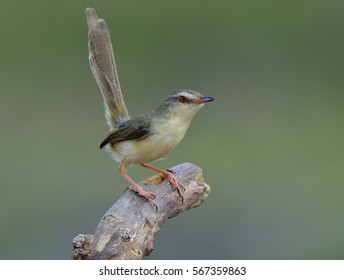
point(270, 146)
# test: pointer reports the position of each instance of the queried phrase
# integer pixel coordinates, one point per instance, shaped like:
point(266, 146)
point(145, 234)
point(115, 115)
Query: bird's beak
point(203, 99)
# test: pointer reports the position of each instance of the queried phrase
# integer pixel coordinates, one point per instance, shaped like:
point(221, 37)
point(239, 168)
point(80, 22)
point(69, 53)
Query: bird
point(146, 137)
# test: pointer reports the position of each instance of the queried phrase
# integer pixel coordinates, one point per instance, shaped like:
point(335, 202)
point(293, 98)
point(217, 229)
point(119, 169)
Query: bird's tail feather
point(102, 62)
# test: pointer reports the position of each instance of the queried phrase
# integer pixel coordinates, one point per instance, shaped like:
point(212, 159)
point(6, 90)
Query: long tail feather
point(102, 62)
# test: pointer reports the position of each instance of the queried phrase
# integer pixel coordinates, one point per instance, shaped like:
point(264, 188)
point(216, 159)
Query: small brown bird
point(144, 138)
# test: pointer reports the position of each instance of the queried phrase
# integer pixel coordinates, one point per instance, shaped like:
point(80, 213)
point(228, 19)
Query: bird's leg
point(149, 196)
point(169, 176)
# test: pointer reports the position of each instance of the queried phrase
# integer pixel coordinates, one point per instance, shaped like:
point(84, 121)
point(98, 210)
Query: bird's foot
point(169, 175)
point(176, 183)
point(149, 196)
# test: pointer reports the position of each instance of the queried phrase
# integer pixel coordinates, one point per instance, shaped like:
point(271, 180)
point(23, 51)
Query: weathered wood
point(128, 229)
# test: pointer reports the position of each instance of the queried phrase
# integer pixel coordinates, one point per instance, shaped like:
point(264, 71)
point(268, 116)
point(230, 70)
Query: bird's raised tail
point(102, 62)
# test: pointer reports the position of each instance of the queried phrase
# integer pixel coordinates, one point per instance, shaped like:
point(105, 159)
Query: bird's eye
point(182, 99)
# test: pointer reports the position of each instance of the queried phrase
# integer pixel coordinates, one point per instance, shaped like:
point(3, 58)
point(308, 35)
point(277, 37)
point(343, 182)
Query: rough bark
point(128, 229)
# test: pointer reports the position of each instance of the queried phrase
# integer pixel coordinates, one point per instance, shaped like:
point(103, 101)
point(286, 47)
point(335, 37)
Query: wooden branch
point(128, 229)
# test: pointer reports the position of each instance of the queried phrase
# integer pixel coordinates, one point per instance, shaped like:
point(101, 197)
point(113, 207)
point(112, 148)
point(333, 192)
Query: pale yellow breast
point(165, 136)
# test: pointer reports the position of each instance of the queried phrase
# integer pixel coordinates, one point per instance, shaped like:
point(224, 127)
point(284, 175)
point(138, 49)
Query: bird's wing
point(102, 62)
point(126, 132)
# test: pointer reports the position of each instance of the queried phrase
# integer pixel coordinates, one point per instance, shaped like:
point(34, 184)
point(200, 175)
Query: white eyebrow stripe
point(186, 94)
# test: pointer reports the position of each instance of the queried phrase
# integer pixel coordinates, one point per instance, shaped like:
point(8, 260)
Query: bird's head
point(184, 103)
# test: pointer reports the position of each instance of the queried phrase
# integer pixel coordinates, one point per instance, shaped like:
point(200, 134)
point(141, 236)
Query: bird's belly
point(153, 147)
